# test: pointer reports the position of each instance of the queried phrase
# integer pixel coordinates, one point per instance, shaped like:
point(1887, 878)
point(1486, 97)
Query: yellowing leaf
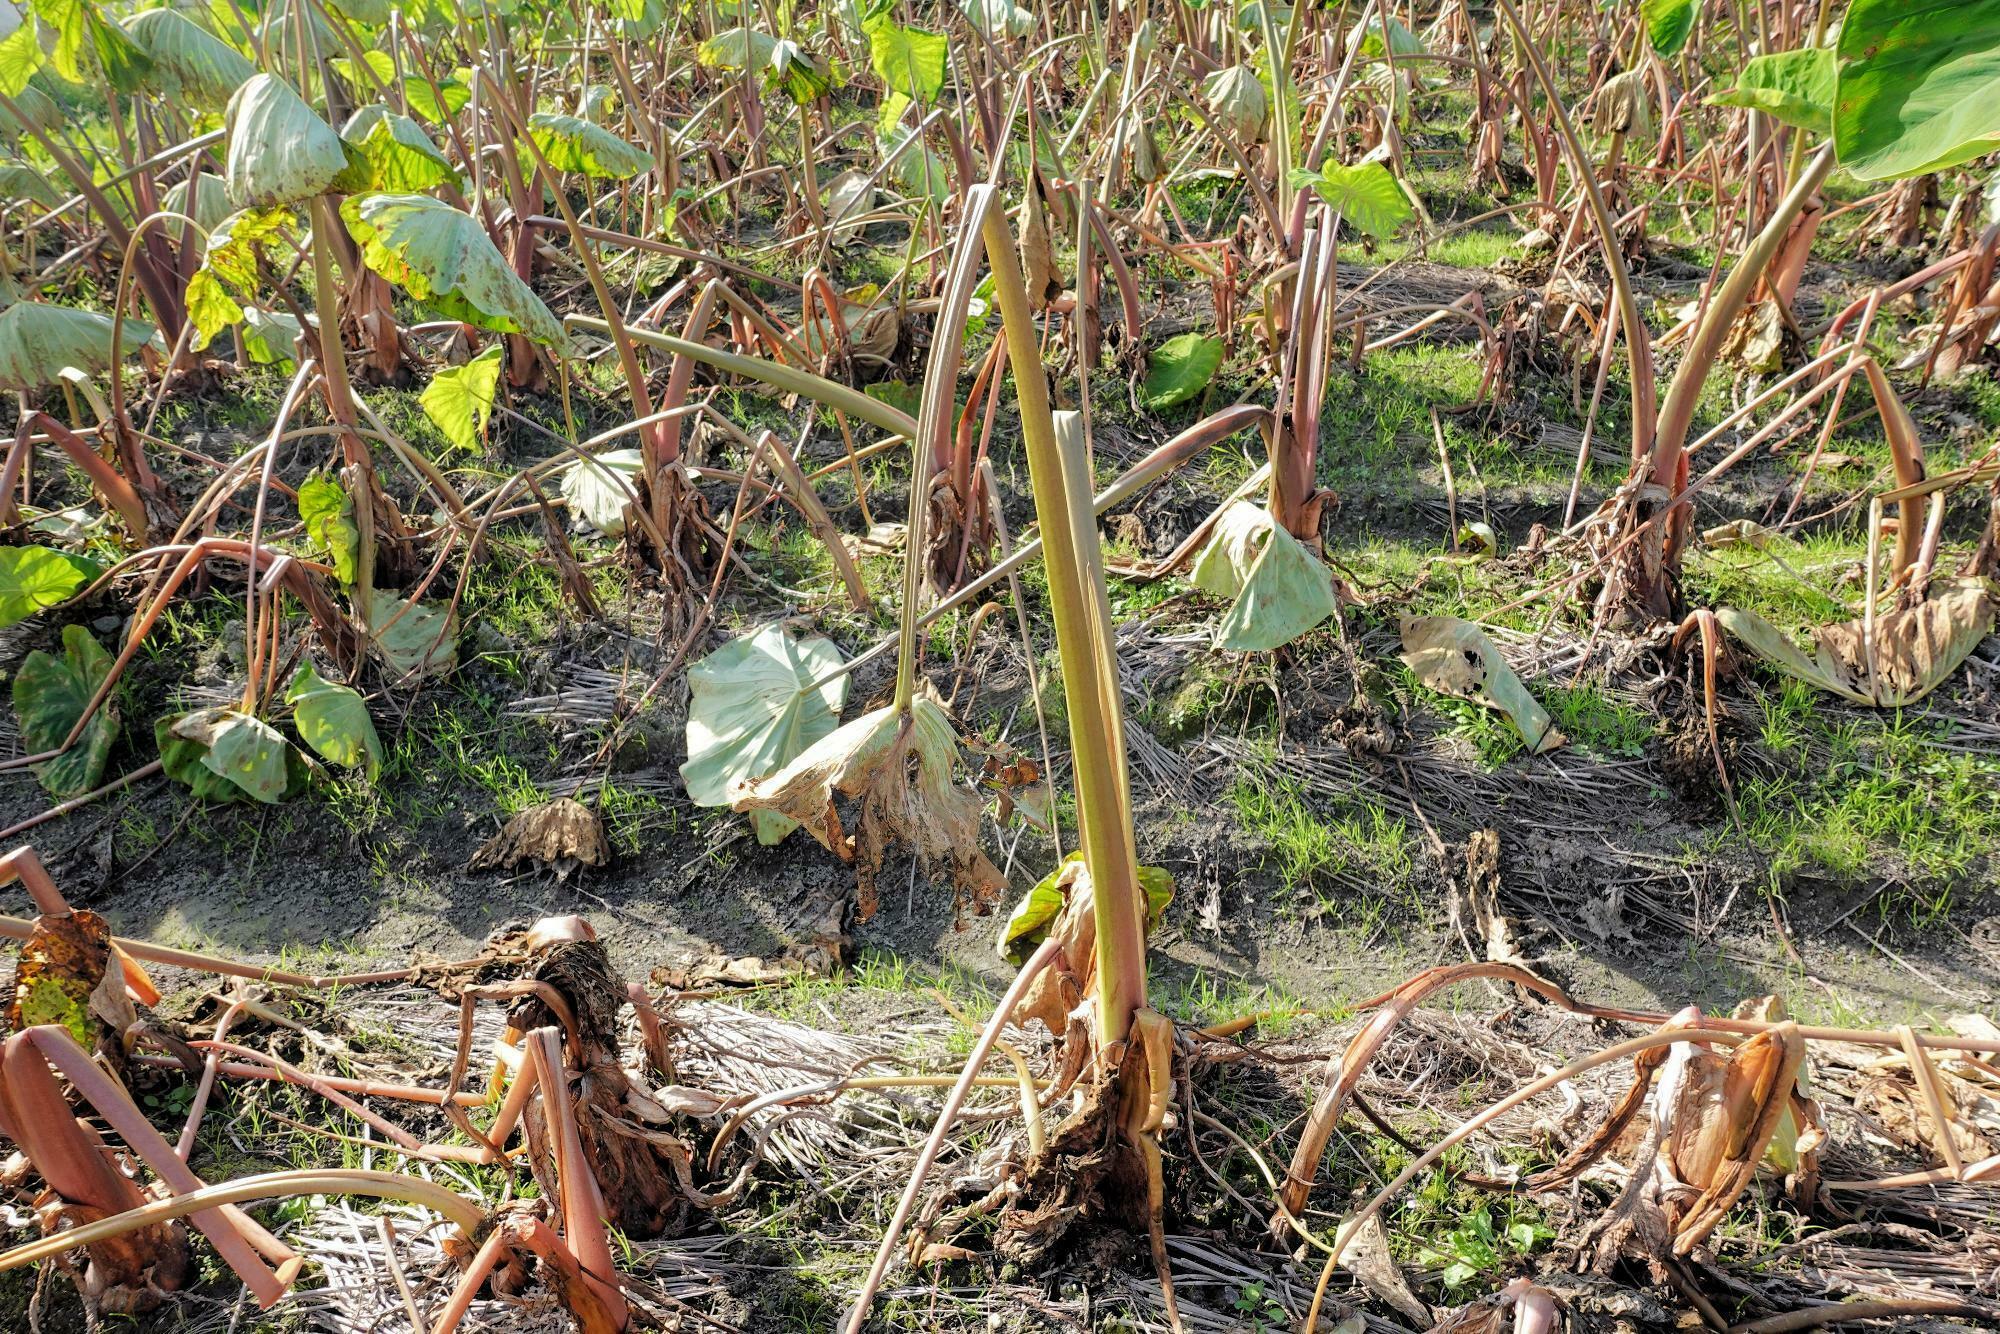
point(459, 399)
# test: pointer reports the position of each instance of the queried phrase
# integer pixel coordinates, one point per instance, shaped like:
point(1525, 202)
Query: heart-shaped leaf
point(753, 710)
point(1281, 589)
point(333, 719)
point(280, 151)
point(599, 489)
point(1366, 195)
point(189, 62)
point(32, 578)
point(50, 694)
point(571, 143)
point(395, 152)
point(328, 513)
point(441, 255)
point(1795, 87)
point(459, 399)
point(1178, 369)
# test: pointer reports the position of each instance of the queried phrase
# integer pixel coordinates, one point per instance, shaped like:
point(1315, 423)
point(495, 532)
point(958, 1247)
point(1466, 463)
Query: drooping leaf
point(1281, 589)
point(181, 758)
point(898, 772)
point(21, 58)
point(32, 578)
point(911, 61)
point(50, 694)
point(451, 96)
point(395, 152)
point(753, 710)
point(32, 108)
point(459, 399)
point(1918, 86)
point(271, 337)
point(797, 74)
point(189, 61)
point(444, 257)
point(38, 340)
point(1911, 652)
point(1178, 369)
point(414, 638)
point(998, 18)
point(1036, 914)
point(571, 143)
point(743, 49)
point(280, 151)
point(1237, 101)
point(125, 64)
point(1796, 87)
point(1668, 23)
point(328, 513)
point(65, 976)
point(1456, 657)
point(241, 748)
point(67, 21)
point(333, 719)
point(598, 491)
point(229, 269)
point(1367, 195)
point(211, 200)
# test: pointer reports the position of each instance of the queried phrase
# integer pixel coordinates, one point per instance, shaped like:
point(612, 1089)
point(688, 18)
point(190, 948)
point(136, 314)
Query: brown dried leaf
point(64, 976)
point(1916, 647)
point(1720, 1114)
point(561, 835)
point(899, 770)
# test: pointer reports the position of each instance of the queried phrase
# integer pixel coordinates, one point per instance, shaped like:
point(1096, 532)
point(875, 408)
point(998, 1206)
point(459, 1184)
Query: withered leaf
point(562, 835)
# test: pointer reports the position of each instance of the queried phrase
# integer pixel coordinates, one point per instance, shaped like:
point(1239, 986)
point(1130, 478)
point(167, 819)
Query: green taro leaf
point(1795, 87)
point(67, 20)
point(242, 749)
point(333, 719)
point(328, 514)
point(1178, 369)
point(1028, 925)
point(229, 269)
point(1668, 23)
point(459, 399)
point(1456, 657)
point(753, 710)
point(443, 256)
point(271, 337)
point(1918, 86)
point(189, 62)
point(32, 578)
point(38, 340)
point(20, 59)
point(50, 694)
point(395, 152)
point(450, 98)
point(280, 151)
point(414, 638)
point(911, 61)
point(211, 200)
point(1367, 196)
point(571, 143)
point(743, 49)
point(182, 760)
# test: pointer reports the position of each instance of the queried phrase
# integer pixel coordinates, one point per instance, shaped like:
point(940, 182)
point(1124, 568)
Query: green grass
point(1312, 850)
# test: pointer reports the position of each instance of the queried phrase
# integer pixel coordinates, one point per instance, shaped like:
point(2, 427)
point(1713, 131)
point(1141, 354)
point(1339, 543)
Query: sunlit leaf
point(572, 143)
point(50, 694)
point(1281, 589)
point(753, 710)
point(211, 200)
point(328, 514)
point(242, 748)
point(21, 58)
point(1180, 368)
point(397, 154)
point(38, 340)
point(1795, 87)
point(599, 490)
point(32, 578)
point(443, 256)
point(911, 61)
point(1668, 23)
point(333, 719)
point(1456, 657)
point(459, 399)
point(189, 61)
point(280, 151)
point(1366, 195)
point(1918, 86)
point(415, 639)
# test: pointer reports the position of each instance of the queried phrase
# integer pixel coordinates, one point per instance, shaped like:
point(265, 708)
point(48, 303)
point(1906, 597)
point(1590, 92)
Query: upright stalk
point(1081, 611)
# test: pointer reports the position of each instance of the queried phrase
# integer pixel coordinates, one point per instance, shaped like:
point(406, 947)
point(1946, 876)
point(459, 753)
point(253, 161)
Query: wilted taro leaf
point(571, 143)
point(899, 770)
point(50, 694)
point(241, 748)
point(395, 152)
point(65, 976)
point(32, 578)
point(38, 341)
point(850, 195)
point(1457, 658)
point(753, 710)
point(561, 835)
point(182, 760)
point(414, 638)
point(189, 62)
point(998, 18)
point(1718, 1115)
point(211, 196)
point(280, 151)
point(333, 719)
point(600, 500)
point(1281, 589)
point(1916, 648)
point(1237, 101)
point(1034, 916)
point(444, 257)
